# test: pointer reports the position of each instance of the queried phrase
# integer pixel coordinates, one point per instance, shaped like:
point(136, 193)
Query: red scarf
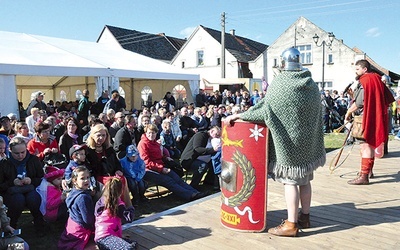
point(377, 98)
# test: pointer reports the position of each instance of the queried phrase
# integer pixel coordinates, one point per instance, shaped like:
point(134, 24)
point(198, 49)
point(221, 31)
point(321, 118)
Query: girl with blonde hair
point(102, 159)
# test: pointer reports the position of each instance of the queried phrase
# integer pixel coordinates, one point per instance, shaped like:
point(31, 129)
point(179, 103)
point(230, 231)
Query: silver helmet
point(386, 79)
point(290, 60)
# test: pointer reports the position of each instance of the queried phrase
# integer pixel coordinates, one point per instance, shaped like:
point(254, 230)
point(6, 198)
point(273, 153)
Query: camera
point(21, 176)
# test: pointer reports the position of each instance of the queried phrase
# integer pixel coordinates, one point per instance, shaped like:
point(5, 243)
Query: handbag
point(357, 131)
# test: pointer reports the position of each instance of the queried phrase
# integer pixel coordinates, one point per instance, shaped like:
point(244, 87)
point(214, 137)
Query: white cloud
point(259, 37)
point(373, 32)
point(186, 32)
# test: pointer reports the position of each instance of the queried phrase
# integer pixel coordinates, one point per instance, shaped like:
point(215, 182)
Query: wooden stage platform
point(342, 216)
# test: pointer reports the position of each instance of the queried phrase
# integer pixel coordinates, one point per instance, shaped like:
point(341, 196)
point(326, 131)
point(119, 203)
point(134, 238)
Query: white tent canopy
point(32, 55)
point(23, 54)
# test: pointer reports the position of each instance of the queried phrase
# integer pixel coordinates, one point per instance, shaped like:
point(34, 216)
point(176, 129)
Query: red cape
point(377, 98)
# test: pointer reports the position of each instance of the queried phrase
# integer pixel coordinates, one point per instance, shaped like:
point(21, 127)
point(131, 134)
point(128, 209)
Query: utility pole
point(223, 45)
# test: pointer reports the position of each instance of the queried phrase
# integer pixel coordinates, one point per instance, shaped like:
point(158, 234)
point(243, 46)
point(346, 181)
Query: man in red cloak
point(371, 99)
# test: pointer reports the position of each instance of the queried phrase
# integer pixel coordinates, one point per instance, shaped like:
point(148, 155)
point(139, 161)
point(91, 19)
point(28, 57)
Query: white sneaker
point(397, 138)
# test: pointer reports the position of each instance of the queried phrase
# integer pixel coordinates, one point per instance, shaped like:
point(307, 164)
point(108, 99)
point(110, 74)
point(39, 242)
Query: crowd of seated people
point(138, 147)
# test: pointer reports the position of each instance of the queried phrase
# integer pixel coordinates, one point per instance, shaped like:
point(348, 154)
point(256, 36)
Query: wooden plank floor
point(342, 216)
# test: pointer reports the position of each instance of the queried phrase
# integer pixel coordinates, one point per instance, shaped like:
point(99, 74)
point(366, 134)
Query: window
point(78, 94)
point(33, 95)
point(200, 57)
point(121, 91)
point(276, 63)
point(63, 96)
point(305, 53)
point(147, 96)
point(328, 85)
point(218, 61)
point(96, 94)
point(330, 58)
point(183, 65)
point(179, 92)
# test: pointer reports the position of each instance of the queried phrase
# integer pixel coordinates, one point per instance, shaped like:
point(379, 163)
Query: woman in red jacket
point(156, 171)
point(43, 143)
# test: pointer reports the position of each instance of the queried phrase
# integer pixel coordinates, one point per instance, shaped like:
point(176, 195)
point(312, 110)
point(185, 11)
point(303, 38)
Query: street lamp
point(331, 36)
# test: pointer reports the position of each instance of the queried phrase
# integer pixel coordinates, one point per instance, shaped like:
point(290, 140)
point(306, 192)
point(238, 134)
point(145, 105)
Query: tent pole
point(86, 82)
point(132, 94)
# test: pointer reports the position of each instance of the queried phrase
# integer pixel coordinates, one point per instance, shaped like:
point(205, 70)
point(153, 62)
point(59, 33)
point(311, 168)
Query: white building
point(201, 54)
point(339, 58)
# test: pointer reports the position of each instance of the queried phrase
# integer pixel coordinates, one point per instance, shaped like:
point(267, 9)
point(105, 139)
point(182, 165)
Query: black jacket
point(8, 172)
point(201, 100)
point(187, 124)
point(196, 146)
point(66, 143)
point(215, 100)
point(121, 104)
point(59, 130)
point(170, 100)
point(123, 139)
point(106, 166)
point(228, 100)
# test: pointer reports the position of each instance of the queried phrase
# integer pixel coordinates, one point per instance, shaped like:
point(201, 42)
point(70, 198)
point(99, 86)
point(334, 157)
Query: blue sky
point(371, 25)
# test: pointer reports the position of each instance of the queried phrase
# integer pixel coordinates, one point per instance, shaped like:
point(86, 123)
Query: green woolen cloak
point(292, 111)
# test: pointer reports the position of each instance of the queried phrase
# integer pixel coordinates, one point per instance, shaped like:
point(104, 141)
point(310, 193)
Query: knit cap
point(52, 173)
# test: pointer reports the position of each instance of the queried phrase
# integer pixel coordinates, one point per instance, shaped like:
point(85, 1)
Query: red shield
point(244, 176)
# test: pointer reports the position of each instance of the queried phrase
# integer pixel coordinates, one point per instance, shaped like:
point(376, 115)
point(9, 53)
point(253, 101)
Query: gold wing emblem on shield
point(229, 142)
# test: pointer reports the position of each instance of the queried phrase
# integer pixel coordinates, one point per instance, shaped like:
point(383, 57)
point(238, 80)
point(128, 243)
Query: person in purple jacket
point(80, 224)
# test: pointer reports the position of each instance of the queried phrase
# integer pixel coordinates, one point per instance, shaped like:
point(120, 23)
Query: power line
point(267, 17)
point(237, 21)
point(278, 7)
point(301, 9)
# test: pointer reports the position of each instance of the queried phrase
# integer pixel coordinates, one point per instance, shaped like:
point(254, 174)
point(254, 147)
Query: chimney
point(232, 31)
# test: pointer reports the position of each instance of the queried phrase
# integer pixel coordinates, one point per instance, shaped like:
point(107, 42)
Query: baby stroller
point(55, 159)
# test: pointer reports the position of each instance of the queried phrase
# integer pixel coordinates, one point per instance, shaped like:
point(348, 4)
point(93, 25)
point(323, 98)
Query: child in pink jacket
point(53, 205)
point(109, 211)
